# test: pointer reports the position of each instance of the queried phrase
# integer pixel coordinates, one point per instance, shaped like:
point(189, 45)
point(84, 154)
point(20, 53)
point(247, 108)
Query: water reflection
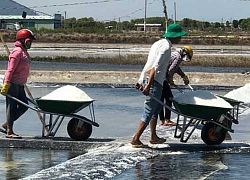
point(19, 163)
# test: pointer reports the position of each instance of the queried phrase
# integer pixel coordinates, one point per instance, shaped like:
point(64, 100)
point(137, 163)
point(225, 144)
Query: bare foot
point(136, 142)
point(13, 135)
point(4, 125)
point(169, 123)
point(157, 141)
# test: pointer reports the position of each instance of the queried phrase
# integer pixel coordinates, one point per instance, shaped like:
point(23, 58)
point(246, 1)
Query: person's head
point(186, 53)
point(25, 36)
point(174, 33)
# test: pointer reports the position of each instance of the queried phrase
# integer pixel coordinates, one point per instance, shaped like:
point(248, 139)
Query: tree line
point(89, 25)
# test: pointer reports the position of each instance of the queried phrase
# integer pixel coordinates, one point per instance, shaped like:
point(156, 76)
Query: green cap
point(173, 31)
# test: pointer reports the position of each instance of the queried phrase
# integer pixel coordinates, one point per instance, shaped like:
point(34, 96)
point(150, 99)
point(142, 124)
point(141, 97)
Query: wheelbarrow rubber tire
point(79, 134)
point(209, 137)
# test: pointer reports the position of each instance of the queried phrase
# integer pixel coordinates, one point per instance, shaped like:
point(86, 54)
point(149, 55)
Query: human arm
point(146, 89)
point(173, 67)
point(183, 76)
point(13, 62)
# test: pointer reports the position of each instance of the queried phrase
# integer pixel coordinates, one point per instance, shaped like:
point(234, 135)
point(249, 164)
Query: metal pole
point(174, 12)
point(145, 15)
point(165, 12)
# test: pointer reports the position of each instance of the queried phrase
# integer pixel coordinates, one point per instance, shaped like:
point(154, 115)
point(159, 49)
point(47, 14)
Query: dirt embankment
point(133, 37)
point(121, 77)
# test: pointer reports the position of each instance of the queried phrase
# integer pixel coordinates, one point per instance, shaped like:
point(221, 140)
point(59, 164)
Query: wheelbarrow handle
point(21, 102)
point(192, 89)
point(178, 89)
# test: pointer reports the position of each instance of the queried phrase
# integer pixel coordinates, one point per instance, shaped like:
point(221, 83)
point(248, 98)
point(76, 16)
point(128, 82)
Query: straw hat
point(173, 31)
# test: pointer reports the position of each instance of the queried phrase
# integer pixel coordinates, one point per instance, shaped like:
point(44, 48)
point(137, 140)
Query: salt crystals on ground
point(68, 93)
point(204, 98)
point(240, 94)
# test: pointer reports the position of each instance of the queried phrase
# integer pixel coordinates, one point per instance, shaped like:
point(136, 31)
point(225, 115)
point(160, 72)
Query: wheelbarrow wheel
point(209, 137)
point(76, 133)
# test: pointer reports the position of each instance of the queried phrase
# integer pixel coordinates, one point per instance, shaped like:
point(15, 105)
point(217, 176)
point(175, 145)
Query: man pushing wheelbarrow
point(155, 68)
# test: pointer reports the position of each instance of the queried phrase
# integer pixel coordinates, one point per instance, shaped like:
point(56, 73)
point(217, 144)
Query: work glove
point(5, 88)
point(171, 81)
point(186, 80)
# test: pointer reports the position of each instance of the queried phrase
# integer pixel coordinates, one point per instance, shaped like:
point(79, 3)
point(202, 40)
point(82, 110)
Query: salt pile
point(240, 94)
point(204, 98)
point(68, 93)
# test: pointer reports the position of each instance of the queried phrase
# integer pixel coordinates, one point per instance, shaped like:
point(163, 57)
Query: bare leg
point(153, 123)
point(154, 138)
point(136, 138)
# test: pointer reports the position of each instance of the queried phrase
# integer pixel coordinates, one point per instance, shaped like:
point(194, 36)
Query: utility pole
point(174, 12)
point(145, 15)
point(165, 12)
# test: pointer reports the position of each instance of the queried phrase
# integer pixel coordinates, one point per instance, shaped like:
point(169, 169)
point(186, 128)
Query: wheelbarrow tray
point(200, 111)
point(232, 102)
point(62, 107)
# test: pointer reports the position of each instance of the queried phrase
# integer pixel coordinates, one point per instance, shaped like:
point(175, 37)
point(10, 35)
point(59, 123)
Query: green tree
point(69, 23)
point(235, 24)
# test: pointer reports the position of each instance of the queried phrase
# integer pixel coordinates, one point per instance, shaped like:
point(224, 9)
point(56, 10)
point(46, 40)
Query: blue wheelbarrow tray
point(200, 111)
point(61, 106)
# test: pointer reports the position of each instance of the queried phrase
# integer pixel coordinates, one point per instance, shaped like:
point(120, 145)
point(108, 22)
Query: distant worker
point(181, 54)
point(15, 78)
point(155, 67)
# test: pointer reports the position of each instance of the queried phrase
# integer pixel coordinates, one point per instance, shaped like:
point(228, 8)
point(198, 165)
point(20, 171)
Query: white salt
point(240, 94)
point(203, 98)
point(68, 93)
point(1, 80)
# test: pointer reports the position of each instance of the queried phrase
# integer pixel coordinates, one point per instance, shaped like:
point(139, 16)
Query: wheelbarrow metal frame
point(55, 119)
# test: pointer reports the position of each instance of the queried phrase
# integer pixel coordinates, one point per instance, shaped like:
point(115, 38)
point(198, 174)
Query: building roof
point(151, 25)
point(27, 17)
point(10, 7)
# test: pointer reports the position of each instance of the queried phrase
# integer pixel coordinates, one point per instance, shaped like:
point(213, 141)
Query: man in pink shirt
point(15, 78)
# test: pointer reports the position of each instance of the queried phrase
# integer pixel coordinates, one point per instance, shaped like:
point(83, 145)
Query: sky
point(125, 10)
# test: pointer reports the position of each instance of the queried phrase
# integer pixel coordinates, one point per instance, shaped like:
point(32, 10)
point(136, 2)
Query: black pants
point(14, 109)
point(166, 94)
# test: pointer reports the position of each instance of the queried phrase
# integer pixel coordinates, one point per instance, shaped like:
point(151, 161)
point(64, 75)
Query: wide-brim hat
point(173, 31)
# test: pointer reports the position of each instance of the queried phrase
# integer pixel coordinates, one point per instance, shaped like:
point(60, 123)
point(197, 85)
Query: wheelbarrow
point(216, 121)
point(54, 112)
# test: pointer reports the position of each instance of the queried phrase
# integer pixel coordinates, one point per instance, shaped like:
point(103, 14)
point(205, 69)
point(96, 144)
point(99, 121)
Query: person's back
point(160, 49)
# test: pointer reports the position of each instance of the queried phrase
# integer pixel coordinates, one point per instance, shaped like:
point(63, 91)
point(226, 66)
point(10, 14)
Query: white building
point(14, 15)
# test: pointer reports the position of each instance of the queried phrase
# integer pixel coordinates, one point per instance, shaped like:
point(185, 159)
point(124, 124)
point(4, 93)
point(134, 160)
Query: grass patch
point(140, 59)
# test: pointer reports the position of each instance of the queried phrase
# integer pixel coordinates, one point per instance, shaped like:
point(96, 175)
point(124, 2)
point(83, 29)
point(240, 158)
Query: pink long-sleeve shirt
point(18, 65)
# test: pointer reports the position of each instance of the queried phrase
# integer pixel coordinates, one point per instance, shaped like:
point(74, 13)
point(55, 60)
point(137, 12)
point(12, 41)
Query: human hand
point(146, 90)
point(139, 86)
point(186, 80)
point(5, 88)
point(171, 81)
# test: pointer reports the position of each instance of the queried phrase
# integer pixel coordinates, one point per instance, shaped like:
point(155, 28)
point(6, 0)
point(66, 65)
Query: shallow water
point(118, 111)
